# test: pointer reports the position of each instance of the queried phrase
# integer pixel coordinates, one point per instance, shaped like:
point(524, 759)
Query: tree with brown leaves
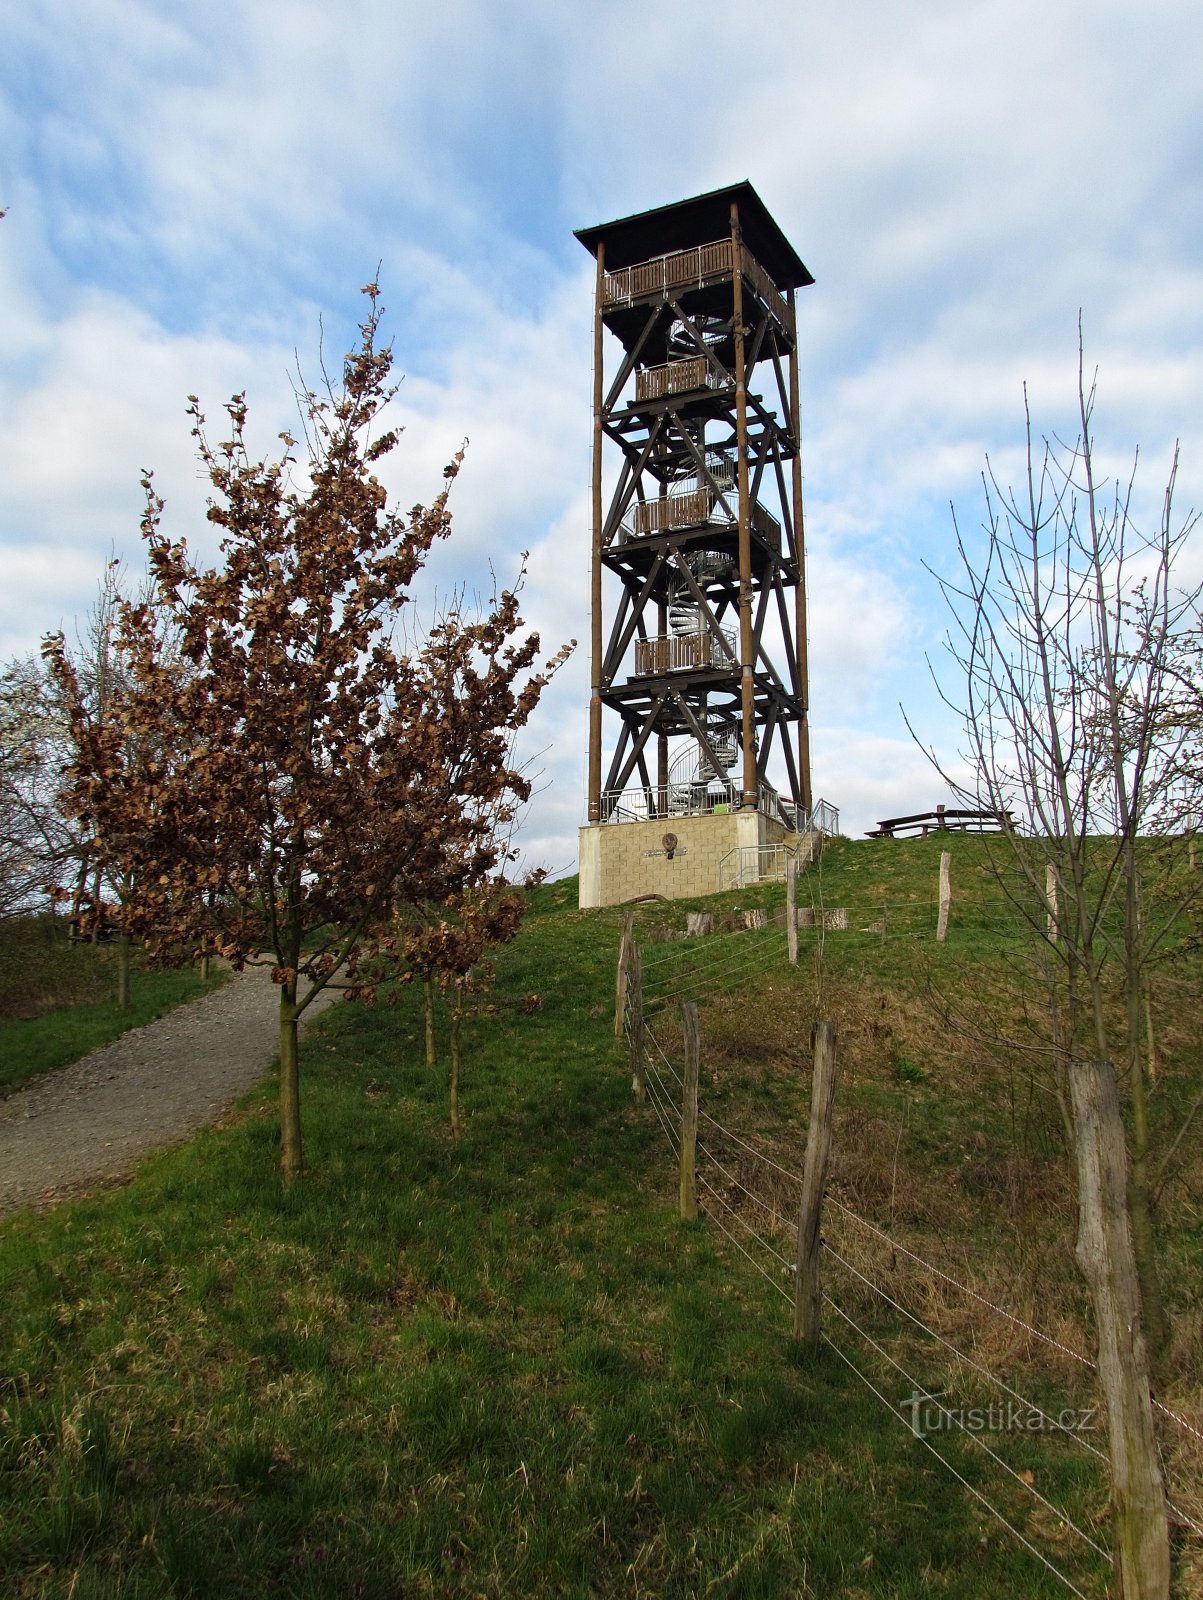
point(279, 782)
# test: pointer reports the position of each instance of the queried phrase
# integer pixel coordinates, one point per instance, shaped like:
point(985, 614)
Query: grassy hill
point(58, 999)
point(502, 1366)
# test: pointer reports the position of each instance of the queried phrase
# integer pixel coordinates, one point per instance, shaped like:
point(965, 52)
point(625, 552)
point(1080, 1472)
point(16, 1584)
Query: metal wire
point(944, 1462)
point(977, 1440)
point(964, 1288)
point(961, 1356)
point(745, 1225)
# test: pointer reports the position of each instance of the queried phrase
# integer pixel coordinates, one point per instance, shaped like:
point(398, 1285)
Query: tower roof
point(700, 220)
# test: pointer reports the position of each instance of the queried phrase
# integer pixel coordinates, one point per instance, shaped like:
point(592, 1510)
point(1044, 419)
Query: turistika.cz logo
point(929, 1415)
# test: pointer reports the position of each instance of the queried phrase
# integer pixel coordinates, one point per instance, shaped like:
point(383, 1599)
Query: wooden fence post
point(623, 977)
point(689, 1111)
point(1139, 1531)
point(791, 909)
point(945, 894)
point(807, 1297)
point(1052, 901)
point(636, 982)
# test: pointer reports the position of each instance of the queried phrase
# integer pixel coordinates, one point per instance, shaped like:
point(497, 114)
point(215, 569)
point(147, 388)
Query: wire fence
point(739, 1191)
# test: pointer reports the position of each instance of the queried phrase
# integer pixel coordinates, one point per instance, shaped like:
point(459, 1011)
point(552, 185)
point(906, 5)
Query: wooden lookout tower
point(703, 657)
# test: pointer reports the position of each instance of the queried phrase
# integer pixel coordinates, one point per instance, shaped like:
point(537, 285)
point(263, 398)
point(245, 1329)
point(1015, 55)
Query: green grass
point(57, 1000)
point(499, 1367)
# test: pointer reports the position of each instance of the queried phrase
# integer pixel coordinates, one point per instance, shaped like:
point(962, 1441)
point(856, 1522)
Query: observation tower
point(699, 664)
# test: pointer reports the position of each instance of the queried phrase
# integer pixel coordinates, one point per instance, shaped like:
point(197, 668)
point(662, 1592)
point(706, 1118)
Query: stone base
point(622, 860)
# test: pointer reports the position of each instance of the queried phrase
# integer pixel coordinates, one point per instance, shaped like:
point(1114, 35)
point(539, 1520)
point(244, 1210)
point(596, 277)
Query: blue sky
point(193, 192)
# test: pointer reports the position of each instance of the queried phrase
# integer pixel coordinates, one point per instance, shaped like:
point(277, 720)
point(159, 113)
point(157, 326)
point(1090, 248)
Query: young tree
point(280, 778)
point(446, 946)
point(1067, 627)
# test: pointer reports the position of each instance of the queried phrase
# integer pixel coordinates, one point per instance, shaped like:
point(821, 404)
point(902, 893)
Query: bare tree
point(1068, 632)
point(37, 846)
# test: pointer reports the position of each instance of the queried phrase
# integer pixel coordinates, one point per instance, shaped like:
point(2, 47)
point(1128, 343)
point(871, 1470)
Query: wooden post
point(800, 639)
point(1140, 1534)
point(636, 982)
point(750, 787)
point(624, 974)
point(791, 909)
point(945, 893)
point(1052, 885)
point(595, 590)
point(689, 1111)
point(807, 1298)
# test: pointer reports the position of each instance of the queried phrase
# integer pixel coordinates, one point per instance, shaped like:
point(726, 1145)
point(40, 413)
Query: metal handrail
point(698, 797)
point(754, 863)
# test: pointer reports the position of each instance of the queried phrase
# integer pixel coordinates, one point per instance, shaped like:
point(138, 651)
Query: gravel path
point(91, 1122)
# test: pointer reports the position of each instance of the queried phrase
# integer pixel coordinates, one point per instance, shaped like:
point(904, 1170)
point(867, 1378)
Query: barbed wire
point(961, 1355)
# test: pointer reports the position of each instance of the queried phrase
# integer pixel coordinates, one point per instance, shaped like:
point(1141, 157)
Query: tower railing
point(692, 269)
point(697, 798)
point(679, 652)
point(677, 377)
point(694, 507)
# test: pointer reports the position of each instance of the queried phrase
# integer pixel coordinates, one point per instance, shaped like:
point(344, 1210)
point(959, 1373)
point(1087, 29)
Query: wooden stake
point(689, 1111)
point(807, 1296)
point(945, 895)
point(791, 909)
point(623, 979)
point(1140, 1534)
point(1052, 884)
point(636, 982)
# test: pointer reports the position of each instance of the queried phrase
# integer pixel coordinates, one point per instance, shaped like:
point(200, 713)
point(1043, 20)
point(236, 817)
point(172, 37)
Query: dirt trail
point(91, 1122)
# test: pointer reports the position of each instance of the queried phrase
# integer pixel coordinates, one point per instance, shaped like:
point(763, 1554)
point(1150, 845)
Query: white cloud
point(189, 190)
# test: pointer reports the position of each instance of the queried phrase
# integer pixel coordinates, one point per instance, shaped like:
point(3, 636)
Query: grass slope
point(504, 1366)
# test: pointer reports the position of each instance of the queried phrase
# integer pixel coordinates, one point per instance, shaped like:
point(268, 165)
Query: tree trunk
point(428, 1016)
point(1140, 1534)
point(123, 965)
point(292, 1165)
point(1140, 1205)
point(456, 1016)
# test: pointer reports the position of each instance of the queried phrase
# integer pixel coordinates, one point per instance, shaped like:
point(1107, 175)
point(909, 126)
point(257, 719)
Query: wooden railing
point(681, 270)
point(678, 377)
point(680, 652)
point(691, 269)
point(695, 508)
point(677, 511)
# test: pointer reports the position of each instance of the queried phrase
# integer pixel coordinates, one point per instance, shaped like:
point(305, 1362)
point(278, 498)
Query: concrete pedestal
point(620, 860)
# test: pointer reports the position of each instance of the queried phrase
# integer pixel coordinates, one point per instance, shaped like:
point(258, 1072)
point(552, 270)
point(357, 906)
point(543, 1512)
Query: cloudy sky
point(195, 194)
